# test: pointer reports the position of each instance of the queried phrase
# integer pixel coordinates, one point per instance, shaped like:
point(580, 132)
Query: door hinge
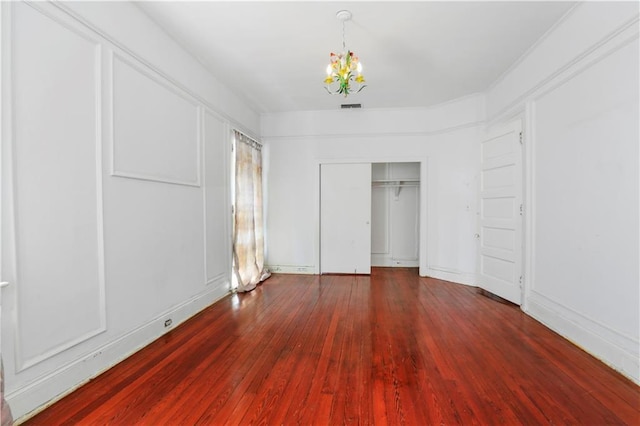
point(521, 279)
point(521, 139)
point(233, 210)
point(521, 209)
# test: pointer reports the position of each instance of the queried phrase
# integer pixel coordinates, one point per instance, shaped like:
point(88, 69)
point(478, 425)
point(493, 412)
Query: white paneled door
point(500, 253)
point(345, 218)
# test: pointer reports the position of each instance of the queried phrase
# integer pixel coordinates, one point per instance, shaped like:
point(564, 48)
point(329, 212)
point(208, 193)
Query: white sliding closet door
point(345, 218)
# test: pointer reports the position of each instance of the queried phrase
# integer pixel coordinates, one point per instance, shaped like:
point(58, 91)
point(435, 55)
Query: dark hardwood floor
point(392, 348)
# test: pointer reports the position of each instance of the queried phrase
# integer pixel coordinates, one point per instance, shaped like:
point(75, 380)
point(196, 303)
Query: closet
point(369, 216)
point(395, 207)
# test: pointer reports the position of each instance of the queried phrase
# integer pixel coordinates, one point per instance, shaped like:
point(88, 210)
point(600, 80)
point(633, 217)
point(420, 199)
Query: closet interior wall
point(395, 207)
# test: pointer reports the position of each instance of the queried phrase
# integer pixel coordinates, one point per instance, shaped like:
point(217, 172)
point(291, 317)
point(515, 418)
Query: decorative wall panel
point(57, 186)
point(155, 127)
point(218, 241)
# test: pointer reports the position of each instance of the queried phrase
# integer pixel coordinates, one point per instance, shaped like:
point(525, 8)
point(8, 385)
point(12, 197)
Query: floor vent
point(350, 106)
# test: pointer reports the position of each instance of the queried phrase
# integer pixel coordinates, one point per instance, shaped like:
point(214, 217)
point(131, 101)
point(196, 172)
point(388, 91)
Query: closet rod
point(393, 185)
point(409, 180)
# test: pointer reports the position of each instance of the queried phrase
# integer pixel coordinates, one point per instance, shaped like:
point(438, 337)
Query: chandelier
point(344, 72)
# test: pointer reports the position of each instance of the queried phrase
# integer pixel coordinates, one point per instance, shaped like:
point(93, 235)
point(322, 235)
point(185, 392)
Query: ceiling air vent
point(350, 106)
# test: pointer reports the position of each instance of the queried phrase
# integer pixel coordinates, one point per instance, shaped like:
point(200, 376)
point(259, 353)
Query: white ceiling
point(415, 54)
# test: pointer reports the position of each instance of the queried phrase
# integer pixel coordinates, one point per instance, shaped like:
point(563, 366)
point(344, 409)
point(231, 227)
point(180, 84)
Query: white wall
point(579, 86)
point(445, 137)
point(115, 201)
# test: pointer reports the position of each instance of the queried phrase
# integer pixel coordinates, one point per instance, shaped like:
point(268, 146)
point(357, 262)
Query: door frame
point(527, 117)
point(424, 198)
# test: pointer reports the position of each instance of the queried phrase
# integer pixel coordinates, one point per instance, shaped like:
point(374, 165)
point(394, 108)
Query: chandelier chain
point(343, 38)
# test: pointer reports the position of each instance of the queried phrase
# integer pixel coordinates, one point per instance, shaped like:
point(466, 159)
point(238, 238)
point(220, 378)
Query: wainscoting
point(115, 192)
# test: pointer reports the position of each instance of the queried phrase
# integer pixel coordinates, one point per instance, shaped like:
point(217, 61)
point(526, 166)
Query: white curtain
point(248, 235)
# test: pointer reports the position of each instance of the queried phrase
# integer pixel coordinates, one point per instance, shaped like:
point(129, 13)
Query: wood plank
point(390, 348)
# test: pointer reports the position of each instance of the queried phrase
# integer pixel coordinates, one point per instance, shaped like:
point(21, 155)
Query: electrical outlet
point(168, 322)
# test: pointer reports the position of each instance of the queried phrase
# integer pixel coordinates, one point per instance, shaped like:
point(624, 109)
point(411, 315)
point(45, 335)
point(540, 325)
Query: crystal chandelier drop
point(344, 72)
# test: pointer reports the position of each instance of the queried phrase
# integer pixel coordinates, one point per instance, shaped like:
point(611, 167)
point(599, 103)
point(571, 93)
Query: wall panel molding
point(534, 46)
point(118, 46)
point(588, 321)
point(24, 361)
point(221, 179)
point(612, 42)
point(61, 325)
point(61, 19)
point(120, 170)
point(51, 387)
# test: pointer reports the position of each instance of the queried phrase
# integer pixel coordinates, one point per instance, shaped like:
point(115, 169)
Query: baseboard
point(35, 397)
point(387, 262)
point(618, 351)
point(292, 269)
point(457, 277)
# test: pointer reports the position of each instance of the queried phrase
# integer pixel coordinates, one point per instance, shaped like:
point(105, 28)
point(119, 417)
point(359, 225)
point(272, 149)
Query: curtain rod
point(241, 137)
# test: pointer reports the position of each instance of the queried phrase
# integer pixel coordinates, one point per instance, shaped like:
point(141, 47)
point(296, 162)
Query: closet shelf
point(398, 184)
point(395, 182)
